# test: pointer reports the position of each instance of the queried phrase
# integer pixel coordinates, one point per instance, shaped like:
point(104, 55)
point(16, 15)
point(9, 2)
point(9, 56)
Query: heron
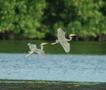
point(62, 40)
point(33, 49)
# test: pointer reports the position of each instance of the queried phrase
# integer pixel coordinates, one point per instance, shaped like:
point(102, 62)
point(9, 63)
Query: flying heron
point(33, 49)
point(63, 40)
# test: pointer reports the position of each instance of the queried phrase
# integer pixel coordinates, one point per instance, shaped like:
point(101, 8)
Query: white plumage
point(63, 40)
point(33, 49)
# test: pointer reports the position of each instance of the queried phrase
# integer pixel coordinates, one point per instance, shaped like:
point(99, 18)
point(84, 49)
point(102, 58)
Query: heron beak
point(45, 43)
point(72, 35)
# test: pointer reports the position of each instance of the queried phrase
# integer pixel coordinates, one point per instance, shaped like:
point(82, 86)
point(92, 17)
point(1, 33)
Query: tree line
point(39, 19)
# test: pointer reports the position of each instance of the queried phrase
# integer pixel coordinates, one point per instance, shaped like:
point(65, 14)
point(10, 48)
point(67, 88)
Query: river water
point(61, 67)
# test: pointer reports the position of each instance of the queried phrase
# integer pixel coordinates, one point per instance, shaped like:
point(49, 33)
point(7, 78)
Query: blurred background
point(36, 21)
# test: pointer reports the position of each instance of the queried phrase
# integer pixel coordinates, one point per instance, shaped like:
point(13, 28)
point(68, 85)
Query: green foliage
point(6, 14)
point(22, 16)
point(36, 18)
point(91, 20)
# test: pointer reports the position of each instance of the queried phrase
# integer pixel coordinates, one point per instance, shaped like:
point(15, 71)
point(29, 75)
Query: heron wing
point(40, 52)
point(30, 52)
point(32, 46)
point(61, 34)
point(66, 46)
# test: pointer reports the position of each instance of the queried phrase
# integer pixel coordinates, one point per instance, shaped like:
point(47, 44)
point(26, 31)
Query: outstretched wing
point(30, 52)
point(66, 46)
point(32, 46)
point(60, 34)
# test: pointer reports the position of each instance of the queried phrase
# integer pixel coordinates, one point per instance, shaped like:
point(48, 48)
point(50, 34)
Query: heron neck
point(41, 47)
point(70, 38)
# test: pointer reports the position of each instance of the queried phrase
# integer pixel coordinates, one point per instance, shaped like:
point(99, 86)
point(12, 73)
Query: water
point(85, 62)
point(77, 68)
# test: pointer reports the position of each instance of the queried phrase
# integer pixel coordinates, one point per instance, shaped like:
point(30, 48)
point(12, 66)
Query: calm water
point(76, 47)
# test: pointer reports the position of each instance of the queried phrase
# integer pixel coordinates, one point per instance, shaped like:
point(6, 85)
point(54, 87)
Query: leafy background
point(29, 19)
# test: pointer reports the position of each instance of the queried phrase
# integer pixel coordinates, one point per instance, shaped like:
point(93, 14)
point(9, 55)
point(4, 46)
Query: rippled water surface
point(90, 68)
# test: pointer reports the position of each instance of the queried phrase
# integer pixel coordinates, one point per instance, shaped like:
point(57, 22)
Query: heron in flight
point(63, 40)
point(33, 49)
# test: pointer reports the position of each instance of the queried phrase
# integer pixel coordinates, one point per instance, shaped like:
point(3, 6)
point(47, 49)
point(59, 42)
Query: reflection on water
point(76, 47)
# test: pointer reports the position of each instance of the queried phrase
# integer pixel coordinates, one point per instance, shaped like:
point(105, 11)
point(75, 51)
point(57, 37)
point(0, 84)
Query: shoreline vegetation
point(33, 19)
point(47, 85)
point(6, 35)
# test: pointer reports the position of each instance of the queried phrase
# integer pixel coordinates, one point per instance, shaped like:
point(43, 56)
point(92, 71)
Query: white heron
point(63, 40)
point(33, 49)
